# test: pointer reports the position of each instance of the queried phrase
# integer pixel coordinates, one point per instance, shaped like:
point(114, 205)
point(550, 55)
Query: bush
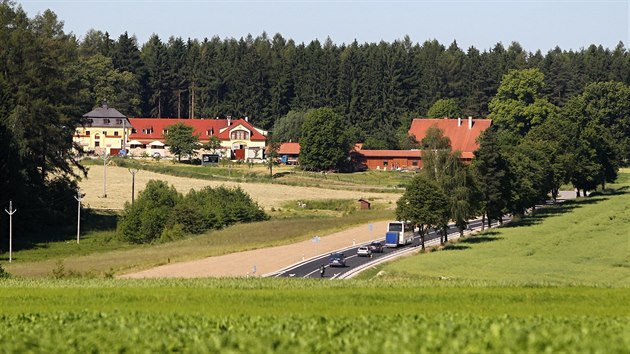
point(3, 273)
point(160, 213)
point(145, 220)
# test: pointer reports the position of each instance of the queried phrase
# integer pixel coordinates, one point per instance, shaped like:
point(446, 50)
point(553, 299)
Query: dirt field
point(118, 189)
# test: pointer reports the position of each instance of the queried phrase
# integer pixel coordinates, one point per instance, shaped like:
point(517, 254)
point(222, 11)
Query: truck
point(399, 233)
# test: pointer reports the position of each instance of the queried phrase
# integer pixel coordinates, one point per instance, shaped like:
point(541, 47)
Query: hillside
point(584, 241)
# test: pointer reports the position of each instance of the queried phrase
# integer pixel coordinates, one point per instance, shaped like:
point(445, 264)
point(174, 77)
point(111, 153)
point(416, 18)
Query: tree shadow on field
point(91, 221)
point(455, 247)
point(487, 236)
point(551, 210)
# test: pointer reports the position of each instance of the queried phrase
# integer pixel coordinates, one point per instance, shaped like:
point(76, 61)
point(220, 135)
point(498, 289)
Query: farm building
point(463, 134)
point(288, 153)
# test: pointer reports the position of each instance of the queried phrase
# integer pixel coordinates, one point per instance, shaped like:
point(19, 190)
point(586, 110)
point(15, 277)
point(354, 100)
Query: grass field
point(584, 241)
point(556, 282)
point(292, 316)
point(100, 253)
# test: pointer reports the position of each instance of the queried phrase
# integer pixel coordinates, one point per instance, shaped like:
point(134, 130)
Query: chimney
point(470, 122)
point(246, 119)
point(459, 121)
point(229, 120)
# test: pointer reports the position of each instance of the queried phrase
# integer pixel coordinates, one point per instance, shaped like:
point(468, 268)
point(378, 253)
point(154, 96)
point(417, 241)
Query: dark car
point(337, 260)
point(376, 247)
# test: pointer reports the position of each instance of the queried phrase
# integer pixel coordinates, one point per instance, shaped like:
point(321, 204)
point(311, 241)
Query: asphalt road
point(311, 268)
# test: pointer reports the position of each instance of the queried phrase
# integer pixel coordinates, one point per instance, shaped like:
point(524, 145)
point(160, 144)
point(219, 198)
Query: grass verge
point(100, 253)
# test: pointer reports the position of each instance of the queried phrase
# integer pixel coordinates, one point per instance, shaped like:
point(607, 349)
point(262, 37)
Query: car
point(364, 251)
point(157, 154)
point(376, 246)
point(337, 259)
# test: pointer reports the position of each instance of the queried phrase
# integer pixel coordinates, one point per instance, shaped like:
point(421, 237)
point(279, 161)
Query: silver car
point(364, 251)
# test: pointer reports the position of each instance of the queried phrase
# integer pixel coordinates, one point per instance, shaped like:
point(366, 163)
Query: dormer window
point(239, 135)
point(165, 131)
point(89, 122)
point(134, 130)
point(106, 120)
point(210, 132)
point(147, 131)
point(118, 121)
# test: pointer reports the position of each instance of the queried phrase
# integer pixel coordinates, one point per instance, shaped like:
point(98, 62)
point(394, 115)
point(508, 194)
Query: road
point(311, 268)
point(354, 264)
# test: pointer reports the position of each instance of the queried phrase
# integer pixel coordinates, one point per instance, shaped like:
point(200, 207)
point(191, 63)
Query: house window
point(87, 132)
point(240, 135)
point(385, 163)
point(97, 143)
point(105, 132)
point(116, 133)
point(414, 163)
point(134, 130)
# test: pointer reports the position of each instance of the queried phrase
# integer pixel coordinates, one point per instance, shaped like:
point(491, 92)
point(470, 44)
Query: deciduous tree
point(181, 140)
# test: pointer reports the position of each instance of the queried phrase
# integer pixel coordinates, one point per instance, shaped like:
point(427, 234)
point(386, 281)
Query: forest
point(49, 78)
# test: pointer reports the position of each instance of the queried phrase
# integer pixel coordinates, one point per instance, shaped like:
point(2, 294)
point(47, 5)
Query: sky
point(535, 24)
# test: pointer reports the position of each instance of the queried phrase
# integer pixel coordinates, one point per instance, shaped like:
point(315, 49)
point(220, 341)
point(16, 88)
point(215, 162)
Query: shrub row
point(160, 213)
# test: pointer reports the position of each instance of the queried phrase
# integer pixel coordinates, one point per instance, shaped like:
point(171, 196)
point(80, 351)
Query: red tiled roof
point(289, 149)
point(255, 135)
point(205, 128)
point(462, 138)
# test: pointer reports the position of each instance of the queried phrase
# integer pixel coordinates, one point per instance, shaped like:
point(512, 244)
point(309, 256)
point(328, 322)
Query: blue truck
point(399, 233)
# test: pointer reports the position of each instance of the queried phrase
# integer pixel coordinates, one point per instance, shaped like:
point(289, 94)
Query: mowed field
point(267, 195)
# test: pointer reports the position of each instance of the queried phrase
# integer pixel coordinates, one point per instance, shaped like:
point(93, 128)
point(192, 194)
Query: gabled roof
point(104, 112)
point(240, 124)
point(463, 137)
point(205, 128)
point(289, 149)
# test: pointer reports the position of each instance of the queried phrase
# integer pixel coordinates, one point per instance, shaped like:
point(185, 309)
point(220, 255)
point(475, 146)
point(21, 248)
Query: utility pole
point(78, 198)
point(133, 172)
point(11, 211)
point(105, 159)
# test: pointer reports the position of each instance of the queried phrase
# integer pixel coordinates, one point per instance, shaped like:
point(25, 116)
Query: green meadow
point(300, 316)
point(553, 282)
point(580, 242)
